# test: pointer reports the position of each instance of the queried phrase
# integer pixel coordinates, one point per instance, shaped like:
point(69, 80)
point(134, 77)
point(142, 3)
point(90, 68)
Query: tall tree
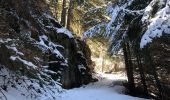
point(53, 4)
point(141, 70)
point(70, 14)
point(63, 14)
point(128, 66)
point(55, 8)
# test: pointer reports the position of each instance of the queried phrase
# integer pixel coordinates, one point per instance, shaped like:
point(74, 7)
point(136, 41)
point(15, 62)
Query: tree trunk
point(128, 66)
point(63, 14)
point(55, 9)
point(116, 67)
point(154, 73)
point(54, 5)
point(70, 14)
point(141, 71)
point(103, 64)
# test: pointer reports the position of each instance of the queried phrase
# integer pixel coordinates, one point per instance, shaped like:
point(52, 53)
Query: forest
point(84, 49)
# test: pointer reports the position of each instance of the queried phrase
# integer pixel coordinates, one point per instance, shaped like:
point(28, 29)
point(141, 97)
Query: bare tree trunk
point(54, 4)
point(116, 67)
point(63, 14)
point(102, 64)
point(129, 68)
point(55, 9)
point(70, 14)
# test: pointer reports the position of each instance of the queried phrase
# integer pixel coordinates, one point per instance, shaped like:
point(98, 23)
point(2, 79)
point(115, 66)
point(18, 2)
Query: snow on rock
point(30, 64)
point(58, 30)
point(61, 31)
point(50, 46)
point(5, 40)
point(81, 67)
point(158, 25)
point(49, 16)
point(16, 51)
point(65, 31)
point(37, 32)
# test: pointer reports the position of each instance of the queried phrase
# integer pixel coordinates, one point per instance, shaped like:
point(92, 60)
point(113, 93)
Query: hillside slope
point(36, 52)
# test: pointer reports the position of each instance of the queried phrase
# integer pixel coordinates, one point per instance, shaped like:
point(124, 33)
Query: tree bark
point(128, 66)
point(141, 71)
point(102, 64)
point(55, 9)
point(54, 4)
point(154, 73)
point(70, 14)
point(63, 14)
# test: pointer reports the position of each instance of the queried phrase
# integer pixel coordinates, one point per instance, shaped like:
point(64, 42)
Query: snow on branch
point(156, 16)
point(158, 25)
point(110, 30)
point(94, 31)
point(134, 12)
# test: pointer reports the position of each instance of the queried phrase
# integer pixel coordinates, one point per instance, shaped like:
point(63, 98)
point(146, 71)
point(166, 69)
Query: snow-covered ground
point(107, 88)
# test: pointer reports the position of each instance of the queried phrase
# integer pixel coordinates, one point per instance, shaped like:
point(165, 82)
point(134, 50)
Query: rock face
point(33, 43)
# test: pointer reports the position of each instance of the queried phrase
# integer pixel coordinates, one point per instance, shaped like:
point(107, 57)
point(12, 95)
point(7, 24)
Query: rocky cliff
point(35, 45)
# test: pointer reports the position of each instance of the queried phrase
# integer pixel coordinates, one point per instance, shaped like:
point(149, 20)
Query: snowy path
point(101, 90)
